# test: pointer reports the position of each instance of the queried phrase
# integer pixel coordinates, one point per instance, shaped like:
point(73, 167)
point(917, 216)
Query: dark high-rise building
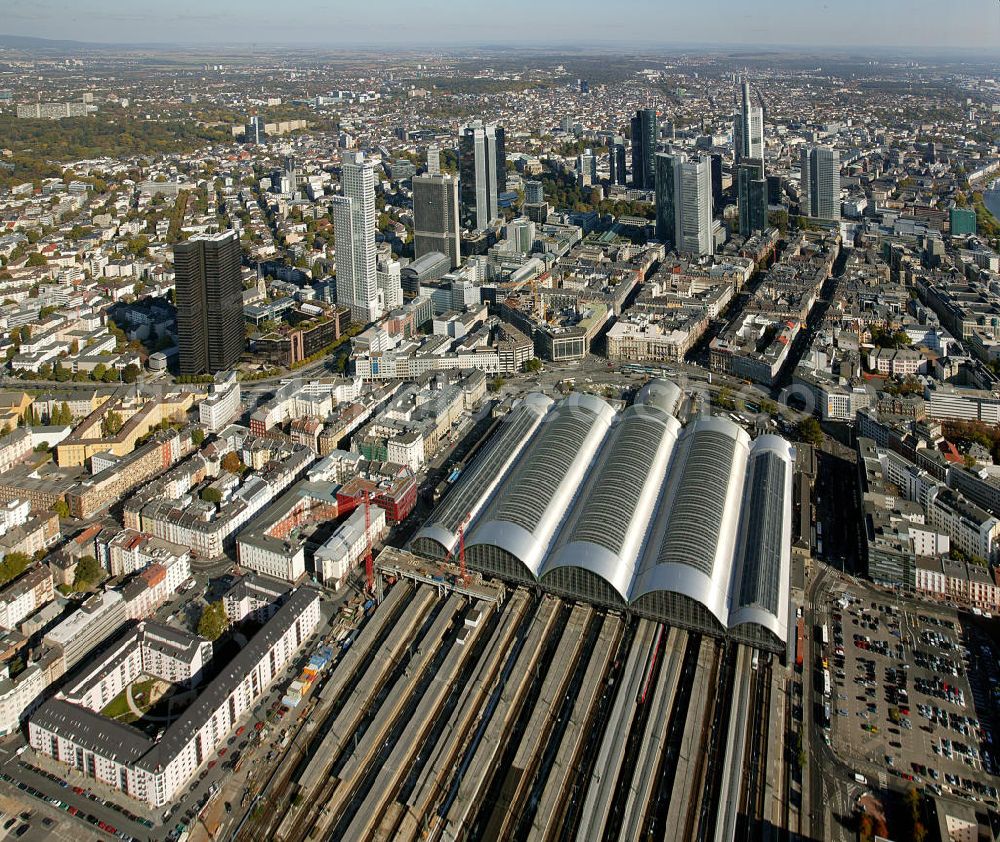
point(716, 164)
point(435, 217)
point(534, 192)
point(253, 131)
point(616, 161)
point(645, 134)
point(666, 188)
point(748, 127)
point(482, 167)
point(751, 192)
point(774, 189)
point(209, 296)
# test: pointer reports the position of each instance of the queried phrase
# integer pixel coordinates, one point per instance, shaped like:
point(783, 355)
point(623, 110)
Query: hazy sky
point(337, 23)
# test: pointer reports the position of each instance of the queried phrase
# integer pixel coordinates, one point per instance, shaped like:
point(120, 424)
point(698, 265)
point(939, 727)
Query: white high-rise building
point(521, 232)
point(820, 196)
point(433, 160)
point(586, 168)
point(390, 288)
point(748, 128)
point(354, 228)
point(684, 203)
point(693, 207)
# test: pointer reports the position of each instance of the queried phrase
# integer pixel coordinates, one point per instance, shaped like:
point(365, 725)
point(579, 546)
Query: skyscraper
point(253, 131)
point(684, 203)
point(209, 296)
point(716, 182)
point(693, 203)
point(645, 133)
point(388, 276)
point(820, 183)
point(666, 220)
point(751, 192)
point(586, 168)
point(354, 230)
point(534, 192)
point(748, 127)
point(482, 167)
point(433, 159)
point(291, 174)
point(521, 232)
point(616, 161)
point(435, 216)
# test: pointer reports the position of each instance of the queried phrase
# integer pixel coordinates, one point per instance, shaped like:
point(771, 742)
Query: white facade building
point(347, 546)
point(354, 227)
point(222, 406)
point(155, 771)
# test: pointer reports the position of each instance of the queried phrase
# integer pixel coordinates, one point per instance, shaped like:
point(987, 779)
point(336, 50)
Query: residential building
point(25, 595)
point(155, 770)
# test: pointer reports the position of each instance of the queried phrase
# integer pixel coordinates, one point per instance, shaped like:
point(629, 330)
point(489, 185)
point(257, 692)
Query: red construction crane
point(461, 549)
point(369, 562)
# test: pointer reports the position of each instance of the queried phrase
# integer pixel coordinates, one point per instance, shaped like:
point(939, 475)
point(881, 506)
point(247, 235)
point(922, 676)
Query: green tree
point(130, 373)
point(809, 431)
point(213, 620)
point(211, 495)
point(88, 573)
point(197, 436)
point(725, 399)
point(65, 415)
point(61, 508)
point(112, 424)
point(533, 365)
point(37, 259)
point(12, 566)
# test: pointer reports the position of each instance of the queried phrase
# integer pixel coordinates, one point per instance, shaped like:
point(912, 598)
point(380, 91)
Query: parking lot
point(901, 704)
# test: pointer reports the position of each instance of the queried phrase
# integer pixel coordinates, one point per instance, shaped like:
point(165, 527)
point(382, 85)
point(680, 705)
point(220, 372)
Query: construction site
point(467, 709)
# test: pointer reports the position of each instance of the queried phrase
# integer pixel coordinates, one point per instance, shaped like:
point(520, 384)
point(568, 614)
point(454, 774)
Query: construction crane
point(369, 561)
point(461, 548)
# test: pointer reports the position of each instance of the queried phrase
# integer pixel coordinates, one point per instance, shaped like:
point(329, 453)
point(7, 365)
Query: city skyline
point(535, 441)
point(777, 23)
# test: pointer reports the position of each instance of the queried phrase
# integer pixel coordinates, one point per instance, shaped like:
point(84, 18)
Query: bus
point(825, 632)
point(826, 683)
